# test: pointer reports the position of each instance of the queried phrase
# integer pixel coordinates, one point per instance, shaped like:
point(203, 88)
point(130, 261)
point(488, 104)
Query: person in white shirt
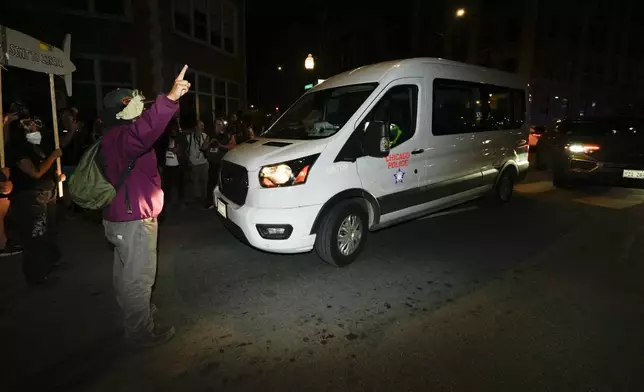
point(196, 142)
point(173, 178)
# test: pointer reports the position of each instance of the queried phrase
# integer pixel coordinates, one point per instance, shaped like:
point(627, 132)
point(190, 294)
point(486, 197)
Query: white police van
point(372, 147)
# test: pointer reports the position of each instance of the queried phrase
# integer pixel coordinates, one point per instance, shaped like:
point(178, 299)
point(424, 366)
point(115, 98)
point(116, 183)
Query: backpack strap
point(122, 177)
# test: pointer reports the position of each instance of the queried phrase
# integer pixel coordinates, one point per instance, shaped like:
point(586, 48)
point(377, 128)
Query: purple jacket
point(135, 141)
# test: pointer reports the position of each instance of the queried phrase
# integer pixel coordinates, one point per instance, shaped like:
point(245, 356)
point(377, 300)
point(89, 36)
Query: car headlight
point(289, 173)
point(582, 148)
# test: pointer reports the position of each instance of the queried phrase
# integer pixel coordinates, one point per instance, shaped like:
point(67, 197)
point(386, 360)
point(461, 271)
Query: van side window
point(457, 107)
point(398, 107)
point(464, 107)
point(503, 108)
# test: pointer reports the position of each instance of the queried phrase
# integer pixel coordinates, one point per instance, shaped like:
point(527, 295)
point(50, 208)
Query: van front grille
point(233, 182)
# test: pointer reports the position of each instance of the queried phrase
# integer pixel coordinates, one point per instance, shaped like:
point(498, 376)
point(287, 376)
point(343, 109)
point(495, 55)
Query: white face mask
point(34, 137)
point(132, 110)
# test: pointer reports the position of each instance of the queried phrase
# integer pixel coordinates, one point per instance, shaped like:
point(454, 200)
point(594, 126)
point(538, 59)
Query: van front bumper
point(243, 221)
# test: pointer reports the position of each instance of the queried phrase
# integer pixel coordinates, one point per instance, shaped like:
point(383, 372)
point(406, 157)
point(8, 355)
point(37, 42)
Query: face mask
point(34, 137)
point(133, 109)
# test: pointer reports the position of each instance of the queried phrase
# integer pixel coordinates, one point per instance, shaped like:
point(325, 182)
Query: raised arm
point(144, 132)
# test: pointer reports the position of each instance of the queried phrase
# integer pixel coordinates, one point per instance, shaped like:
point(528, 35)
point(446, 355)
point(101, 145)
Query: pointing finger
point(182, 74)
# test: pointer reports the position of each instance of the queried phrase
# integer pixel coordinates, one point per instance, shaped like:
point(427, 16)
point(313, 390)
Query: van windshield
point(320, 114)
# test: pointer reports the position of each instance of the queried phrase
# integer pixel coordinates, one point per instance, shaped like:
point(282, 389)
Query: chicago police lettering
point(397, 160)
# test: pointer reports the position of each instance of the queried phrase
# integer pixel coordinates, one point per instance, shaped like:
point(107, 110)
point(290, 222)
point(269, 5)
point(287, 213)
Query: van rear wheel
point(342, 234)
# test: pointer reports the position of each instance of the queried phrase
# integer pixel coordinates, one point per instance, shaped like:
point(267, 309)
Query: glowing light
point(309, 63)
point(460, 12)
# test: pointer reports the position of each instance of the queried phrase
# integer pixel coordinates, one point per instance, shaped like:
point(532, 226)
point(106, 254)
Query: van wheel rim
point(349, 234)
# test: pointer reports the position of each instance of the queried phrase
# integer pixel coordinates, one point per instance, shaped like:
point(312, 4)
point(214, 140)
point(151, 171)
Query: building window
point(210, 21)
point(230, 26)
point(215, 23)
point(112, 9)
point(96, 76)
point(209, 98)
point(200, 17)
point(182, 20)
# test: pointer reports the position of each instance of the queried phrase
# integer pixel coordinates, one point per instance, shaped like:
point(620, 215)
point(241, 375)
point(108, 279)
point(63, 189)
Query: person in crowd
point(131, 218)
point(250, 127)
point(33, 200)
point(173, 171)
point(220, 143)
point(69, 129)
point(8, 247)
point(195, 142)
point(238, 128)
point(17, 111)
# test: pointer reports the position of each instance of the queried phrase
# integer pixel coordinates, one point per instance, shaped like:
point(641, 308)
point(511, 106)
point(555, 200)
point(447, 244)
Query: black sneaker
point(159, 336)
point(10, 250)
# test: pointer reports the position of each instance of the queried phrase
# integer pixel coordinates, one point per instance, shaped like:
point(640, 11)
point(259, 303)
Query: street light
point(309, 63)
point(279, 67)
point(460, 12)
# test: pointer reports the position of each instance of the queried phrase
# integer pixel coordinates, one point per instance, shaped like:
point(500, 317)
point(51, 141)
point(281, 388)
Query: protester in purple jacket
point(131, 219)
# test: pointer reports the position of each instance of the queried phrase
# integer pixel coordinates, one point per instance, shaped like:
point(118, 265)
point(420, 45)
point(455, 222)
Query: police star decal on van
point(399, 176)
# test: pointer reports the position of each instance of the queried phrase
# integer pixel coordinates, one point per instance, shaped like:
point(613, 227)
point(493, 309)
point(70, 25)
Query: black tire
point(504, 186)
point(326, 242)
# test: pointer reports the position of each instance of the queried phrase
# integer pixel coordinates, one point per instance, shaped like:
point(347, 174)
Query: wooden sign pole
point(54, 118)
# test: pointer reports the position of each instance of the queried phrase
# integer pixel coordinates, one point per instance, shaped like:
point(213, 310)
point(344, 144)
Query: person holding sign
point(130, 220)
point(33, 199)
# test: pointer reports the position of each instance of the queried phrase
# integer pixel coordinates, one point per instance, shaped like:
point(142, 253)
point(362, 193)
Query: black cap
point(118, 98)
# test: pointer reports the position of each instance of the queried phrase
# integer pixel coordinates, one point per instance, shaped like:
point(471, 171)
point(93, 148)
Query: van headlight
point(289, 173)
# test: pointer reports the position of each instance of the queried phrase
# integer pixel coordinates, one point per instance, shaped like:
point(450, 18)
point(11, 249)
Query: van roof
point(376, 73)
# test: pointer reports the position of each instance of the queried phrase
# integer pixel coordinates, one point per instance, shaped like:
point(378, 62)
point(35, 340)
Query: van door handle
point(418, 151)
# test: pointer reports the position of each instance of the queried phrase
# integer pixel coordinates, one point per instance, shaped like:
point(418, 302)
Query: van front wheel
point(342, 234)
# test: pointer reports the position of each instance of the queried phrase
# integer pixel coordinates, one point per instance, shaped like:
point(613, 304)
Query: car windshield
point(614, 128)
point(321, 113)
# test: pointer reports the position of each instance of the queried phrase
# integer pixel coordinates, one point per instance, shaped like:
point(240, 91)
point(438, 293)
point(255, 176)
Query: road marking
point(450, 212)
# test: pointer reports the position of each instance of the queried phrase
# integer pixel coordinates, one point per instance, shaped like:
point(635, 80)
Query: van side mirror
point(375, 142)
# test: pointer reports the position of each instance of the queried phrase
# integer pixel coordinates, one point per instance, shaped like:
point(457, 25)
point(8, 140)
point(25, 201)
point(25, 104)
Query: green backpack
point(88, 186)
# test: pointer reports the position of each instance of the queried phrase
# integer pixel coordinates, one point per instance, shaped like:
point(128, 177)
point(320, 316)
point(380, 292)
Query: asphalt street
point(542, 294)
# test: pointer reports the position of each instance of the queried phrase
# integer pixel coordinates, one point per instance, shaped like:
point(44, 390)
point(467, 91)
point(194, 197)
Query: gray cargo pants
point(135, 267)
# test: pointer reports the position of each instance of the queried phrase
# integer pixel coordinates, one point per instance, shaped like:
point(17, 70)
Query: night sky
point(283, 33)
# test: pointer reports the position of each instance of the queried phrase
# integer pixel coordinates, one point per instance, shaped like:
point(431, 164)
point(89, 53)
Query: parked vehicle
point(373, 147)
point(608, 151)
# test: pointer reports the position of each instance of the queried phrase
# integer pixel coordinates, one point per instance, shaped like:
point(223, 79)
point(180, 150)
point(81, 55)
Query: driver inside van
point(394, 135)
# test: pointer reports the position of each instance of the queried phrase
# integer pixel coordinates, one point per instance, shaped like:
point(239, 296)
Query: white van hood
point(266, 151)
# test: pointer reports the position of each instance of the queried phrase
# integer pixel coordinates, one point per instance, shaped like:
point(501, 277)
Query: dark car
point(607, 151)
